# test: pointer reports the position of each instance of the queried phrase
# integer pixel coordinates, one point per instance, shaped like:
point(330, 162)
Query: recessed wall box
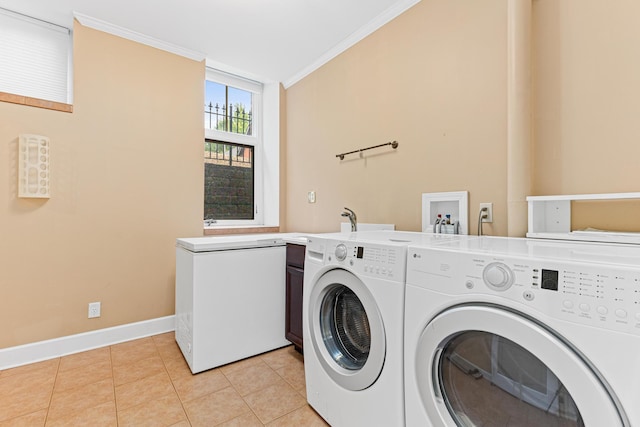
point(453, 203)
point(33, 166)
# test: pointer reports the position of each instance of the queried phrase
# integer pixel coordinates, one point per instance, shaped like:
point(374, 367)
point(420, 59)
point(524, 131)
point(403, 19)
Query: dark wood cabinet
point(294, 283)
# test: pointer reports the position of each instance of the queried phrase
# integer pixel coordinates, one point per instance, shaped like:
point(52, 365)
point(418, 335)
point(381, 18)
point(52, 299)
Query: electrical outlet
point(94, 309)
point(489, 211)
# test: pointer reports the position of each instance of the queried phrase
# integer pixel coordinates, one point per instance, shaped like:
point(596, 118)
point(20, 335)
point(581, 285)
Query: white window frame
point(49, 82)
point(254, 140)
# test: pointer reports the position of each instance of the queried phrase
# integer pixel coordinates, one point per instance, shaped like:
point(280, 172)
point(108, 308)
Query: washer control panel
point(366, 259)
point(498, 276)
point(588, 293)
point(341, 252)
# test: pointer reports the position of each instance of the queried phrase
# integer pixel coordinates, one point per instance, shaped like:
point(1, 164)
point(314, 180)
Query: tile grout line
point(158, 354)
point(53, 387)
point(290, 385)
point(166, 357)
point(241, 397)
point(186, 414)
point(286, 382)
point(113, 384)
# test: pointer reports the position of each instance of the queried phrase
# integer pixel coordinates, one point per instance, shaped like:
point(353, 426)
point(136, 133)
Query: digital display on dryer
point(359, 252)
point(549, 280)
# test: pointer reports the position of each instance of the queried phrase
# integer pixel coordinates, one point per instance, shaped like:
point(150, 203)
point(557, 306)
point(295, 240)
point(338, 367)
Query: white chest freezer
point(230, 298)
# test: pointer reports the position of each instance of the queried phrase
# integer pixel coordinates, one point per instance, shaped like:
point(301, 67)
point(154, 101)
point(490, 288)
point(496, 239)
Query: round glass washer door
point(485, 365)
point(347, 331)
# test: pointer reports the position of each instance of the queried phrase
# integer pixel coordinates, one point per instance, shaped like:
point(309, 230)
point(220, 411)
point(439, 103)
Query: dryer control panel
point(588, 293)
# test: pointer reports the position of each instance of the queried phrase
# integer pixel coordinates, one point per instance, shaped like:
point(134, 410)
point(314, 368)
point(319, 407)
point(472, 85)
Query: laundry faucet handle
point(352, 218)
point(350, 213)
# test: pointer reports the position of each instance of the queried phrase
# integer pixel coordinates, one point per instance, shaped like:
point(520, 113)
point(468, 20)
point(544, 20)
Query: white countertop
point(295, 238)
point(239, 241)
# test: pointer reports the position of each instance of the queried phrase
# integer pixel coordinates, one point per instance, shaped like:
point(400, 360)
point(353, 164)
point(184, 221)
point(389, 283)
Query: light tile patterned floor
point(146, 382)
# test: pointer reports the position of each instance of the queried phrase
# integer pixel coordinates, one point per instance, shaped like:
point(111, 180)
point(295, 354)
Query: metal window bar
point(226, 119)
point(228, 153)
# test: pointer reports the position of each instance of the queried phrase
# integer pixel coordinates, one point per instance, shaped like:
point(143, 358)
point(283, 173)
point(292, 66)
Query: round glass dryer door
point(485, 365)
point(486, 379)
point(346, 328)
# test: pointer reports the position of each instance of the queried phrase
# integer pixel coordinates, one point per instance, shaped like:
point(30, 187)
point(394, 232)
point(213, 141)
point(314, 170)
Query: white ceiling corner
point(275, 41)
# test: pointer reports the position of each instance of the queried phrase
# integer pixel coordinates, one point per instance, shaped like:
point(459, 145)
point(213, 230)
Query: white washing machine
point(517, 332)
point(353, 311)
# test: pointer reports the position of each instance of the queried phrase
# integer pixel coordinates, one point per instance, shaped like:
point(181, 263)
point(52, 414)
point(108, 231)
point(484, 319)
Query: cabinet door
point(295, 277)
point(295, 255)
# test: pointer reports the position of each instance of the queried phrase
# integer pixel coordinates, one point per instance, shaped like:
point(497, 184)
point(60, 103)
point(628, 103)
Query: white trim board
point(44, 350)
point(373, 25)
point(107, 27)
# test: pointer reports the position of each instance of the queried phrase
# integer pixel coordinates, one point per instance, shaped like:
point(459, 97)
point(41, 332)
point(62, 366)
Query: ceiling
point(269, 40)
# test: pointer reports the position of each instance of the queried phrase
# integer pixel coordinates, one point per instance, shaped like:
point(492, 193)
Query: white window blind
point(35, 58)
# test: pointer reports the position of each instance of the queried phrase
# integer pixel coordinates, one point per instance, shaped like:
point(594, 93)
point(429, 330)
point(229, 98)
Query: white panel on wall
point(33, 166)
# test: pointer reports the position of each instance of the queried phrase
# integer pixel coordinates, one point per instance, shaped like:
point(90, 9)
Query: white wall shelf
point(550, 218)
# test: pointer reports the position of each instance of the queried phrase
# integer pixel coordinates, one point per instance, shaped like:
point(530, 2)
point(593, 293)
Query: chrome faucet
point(352, 218)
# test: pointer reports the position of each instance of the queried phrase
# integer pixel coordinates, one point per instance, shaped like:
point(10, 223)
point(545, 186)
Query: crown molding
point(116, 30)
point(373, 25)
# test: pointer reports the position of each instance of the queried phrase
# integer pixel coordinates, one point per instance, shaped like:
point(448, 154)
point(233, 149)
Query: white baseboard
point(44, 350)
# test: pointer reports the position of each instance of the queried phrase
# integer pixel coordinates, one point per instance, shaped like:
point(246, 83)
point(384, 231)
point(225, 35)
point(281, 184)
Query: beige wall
point(126, 164)
point(434, 79)
point(126, 181)
point(587, 96)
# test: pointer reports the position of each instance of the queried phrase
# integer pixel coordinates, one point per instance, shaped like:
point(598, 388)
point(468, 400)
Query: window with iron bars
point(232, 186)
point(228, 109)
point(221, 153)
point(228, 118)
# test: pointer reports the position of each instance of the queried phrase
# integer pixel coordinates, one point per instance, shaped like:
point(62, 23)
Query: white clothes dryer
point(353, 314)
point(518, 332)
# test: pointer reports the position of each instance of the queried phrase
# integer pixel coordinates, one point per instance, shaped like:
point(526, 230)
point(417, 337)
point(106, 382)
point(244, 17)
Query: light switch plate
point(311, 196)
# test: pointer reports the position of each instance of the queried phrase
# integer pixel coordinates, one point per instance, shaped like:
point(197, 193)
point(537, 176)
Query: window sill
point(239, 230)
point(35, 102)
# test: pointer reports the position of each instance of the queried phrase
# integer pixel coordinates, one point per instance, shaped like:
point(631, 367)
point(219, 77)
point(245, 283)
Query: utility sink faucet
point(352, 218)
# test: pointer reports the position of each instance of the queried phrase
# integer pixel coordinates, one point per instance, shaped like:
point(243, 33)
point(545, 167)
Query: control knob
point(341, 252)
point(498, 276)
